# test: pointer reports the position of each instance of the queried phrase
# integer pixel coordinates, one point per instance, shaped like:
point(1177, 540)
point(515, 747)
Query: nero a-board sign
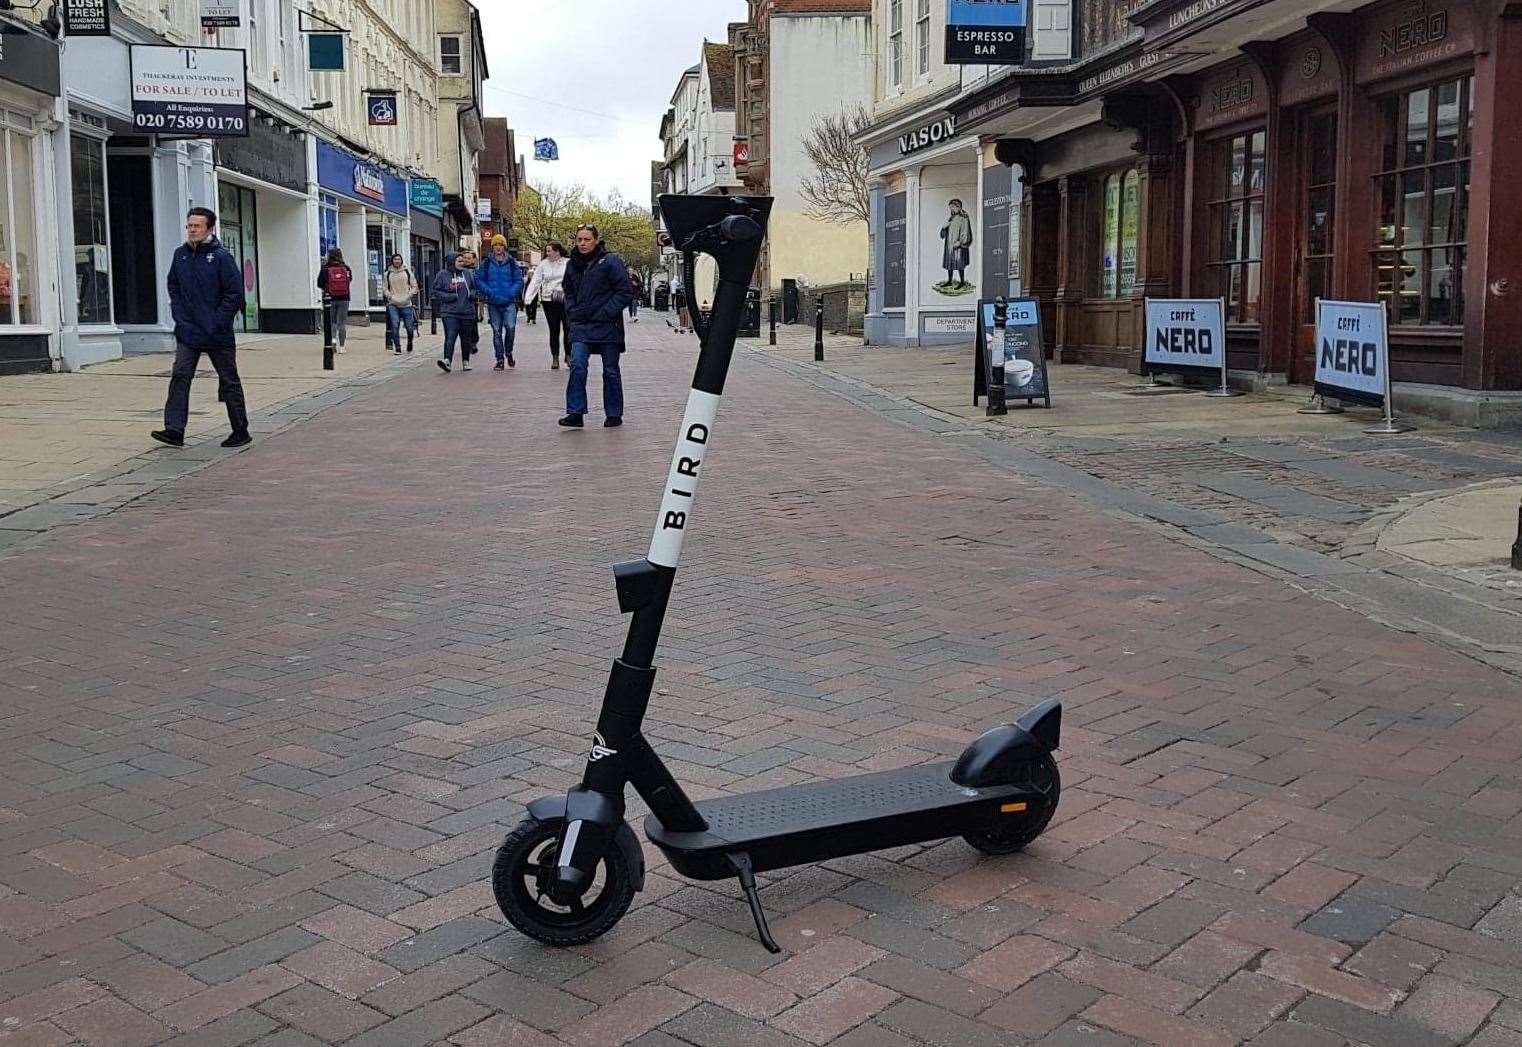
point(1185, 336)
point(1025, 374)
point(1352, 352)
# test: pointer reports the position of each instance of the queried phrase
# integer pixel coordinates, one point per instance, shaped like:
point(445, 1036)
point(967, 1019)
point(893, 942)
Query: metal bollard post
point(996, 343)
point(1516, 547)
point(819, 328)
point(327, 332)
point(771, 310)
point(433, 315)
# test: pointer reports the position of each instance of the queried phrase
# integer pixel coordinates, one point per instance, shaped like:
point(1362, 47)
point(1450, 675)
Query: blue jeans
point(396, 317)
point(612, 380)
point(462, 328)
point(504, 328)
point(634, 307)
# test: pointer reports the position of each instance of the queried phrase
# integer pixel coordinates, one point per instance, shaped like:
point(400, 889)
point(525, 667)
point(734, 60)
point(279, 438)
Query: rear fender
point(1004, 754)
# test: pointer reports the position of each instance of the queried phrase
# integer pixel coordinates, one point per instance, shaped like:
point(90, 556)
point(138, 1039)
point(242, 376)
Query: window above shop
point(922, 37)
point(1422, 190)
point(895, 43)
point(451, 56)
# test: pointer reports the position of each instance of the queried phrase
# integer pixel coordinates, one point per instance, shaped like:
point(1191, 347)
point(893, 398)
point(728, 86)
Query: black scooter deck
point(815, 821)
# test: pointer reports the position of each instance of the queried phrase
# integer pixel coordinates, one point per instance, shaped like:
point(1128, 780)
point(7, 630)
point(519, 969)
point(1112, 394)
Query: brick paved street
point(265, 725)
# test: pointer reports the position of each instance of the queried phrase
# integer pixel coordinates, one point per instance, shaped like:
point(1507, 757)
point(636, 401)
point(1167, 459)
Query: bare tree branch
point(837, 190)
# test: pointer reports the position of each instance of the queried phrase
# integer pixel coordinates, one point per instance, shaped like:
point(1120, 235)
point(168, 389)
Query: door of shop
point(238, 229)
point(1315, 248)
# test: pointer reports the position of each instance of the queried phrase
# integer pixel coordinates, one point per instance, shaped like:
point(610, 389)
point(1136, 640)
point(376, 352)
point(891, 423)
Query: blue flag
point(546, 149)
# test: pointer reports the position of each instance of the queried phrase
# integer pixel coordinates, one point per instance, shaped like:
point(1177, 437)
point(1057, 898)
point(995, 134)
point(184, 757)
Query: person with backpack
point(454, 296)
point(400, 288)
point(500, 281)
point(336, 279)
point(597, 291)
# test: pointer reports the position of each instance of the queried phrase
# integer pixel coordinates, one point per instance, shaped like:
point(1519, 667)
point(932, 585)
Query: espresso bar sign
point(927, 136)
point(985, 32)
point(87, 17)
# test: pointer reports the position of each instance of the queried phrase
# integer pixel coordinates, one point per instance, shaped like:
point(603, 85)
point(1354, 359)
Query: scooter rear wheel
point(1014, 833)
point(520, 880)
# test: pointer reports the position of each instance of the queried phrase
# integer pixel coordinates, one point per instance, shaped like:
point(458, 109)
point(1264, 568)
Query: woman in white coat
point(545, 289)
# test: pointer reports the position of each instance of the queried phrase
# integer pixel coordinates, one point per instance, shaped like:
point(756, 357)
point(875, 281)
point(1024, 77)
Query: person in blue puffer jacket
point(597, 291)
point(499, 279)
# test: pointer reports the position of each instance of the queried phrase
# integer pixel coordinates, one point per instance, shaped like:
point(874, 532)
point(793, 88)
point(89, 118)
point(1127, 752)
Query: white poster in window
point(948, 254)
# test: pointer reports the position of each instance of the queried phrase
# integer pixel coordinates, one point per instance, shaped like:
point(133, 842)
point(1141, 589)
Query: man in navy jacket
point(597, 291)
point(205, 293)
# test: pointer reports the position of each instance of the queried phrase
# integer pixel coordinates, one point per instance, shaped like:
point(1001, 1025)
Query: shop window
point(1120, 196)
point(1103, 23)
point(19, 303)
point(922, 36)
point(451, 60)
point(1423, 198)
point(92, 243)
point(895, 43)
point(1234, 255)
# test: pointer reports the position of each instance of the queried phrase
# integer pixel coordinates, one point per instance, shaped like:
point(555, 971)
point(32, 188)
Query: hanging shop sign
point(87, 17)
point(427, 195)
point(1352, 352)
point(381, 107)
point(29, 60)
point(219, 14)
point(943, 130)
point(742, 152)
point(1018, 347)
point(325, 52)
point(985, 32)
point(483, 209)
point(196, 92)
point(1184, 336)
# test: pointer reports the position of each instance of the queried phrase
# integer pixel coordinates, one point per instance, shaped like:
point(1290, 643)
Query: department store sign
point(931, 134)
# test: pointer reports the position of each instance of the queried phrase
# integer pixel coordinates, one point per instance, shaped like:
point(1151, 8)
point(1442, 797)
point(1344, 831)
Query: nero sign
point(1184, 335)
point(985, 32)
point(1352, 352)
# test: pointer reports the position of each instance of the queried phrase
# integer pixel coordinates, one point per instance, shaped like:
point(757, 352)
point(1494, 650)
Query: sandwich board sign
point(1185, 336)
point(1353, 358)
point(1023, 352)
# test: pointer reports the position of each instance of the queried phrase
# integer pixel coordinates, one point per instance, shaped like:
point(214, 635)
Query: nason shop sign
point(924, 137)
point(194, 92)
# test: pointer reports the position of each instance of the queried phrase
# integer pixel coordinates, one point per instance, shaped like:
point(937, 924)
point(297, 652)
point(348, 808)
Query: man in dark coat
point(597, 291)
point(205, 293)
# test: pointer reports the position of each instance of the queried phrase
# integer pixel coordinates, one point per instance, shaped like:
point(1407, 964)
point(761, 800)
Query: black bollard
point(771, 310)
point(327, 332)
point(819, 328)
point(996, 404)
point(433, 315)
point(1516, 547)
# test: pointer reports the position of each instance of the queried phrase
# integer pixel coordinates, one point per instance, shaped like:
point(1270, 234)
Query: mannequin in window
point(957, 234)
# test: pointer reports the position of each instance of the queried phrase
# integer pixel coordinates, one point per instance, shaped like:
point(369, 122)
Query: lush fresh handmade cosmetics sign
point(985, 32)
point(196, 92)
point(1352, 351)
point(1185, 334)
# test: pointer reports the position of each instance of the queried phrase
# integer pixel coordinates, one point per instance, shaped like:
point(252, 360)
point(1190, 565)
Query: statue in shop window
point(957, 250)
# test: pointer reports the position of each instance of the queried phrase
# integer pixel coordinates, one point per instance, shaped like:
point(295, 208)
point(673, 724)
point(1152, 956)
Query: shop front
point(363, 212)
point(263, 195)
point(926, 205)
point(29, 89)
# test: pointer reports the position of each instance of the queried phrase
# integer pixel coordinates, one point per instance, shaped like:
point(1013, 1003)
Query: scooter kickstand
point(747, 875)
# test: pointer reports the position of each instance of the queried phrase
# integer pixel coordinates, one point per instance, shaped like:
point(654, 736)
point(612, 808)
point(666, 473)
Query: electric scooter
point(568, 872)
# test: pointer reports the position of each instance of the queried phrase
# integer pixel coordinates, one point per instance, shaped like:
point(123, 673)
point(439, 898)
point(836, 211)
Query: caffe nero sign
point(269, 154)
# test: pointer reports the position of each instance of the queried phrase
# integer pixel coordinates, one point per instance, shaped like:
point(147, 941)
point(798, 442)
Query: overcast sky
point(595, 75)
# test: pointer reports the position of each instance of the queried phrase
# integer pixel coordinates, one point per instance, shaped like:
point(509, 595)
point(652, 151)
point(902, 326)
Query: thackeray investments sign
point(196, 92)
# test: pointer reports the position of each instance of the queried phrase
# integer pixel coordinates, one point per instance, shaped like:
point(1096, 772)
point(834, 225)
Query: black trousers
point(554, 315)
point(229, 388)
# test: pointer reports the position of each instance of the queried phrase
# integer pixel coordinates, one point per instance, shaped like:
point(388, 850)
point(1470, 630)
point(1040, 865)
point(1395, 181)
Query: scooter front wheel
point(520, 880)
point(1015, 832)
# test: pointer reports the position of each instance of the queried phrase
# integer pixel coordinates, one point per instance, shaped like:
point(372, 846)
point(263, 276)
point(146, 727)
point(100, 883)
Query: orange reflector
point(1011, 808)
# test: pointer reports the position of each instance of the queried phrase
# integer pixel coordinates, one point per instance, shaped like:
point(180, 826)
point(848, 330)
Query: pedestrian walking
point(597, 291)
point(454, 296)
point(679, 303)
point(547, 289)
point(336, 279)
point(205, 293)
point(500, 280)
point(530, 308)
point(401, 290)
point(637, 285)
